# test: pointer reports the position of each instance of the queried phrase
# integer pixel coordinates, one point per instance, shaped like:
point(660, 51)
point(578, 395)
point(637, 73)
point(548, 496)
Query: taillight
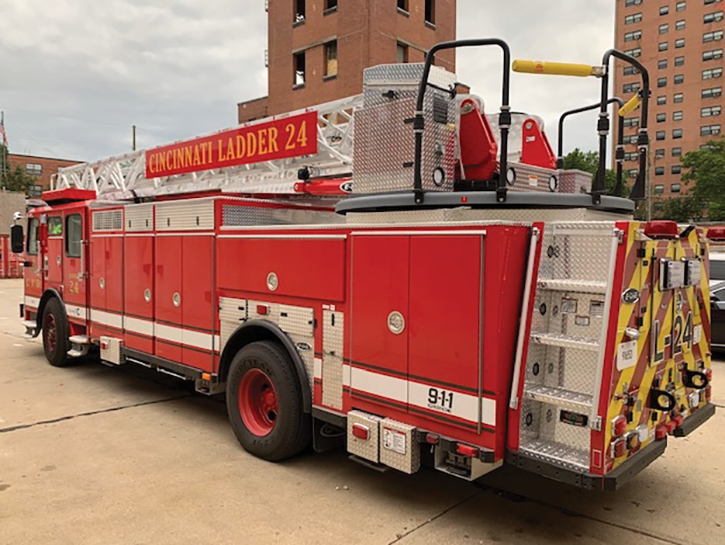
point(716, 233)
point(619, 448)
point(467, 450)
point(360, 431)
point(619, 426)
point(633, 440)
point(661, 432)
point(661, 229)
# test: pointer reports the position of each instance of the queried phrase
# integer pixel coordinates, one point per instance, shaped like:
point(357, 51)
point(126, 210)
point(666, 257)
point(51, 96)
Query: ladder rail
point(123, 176)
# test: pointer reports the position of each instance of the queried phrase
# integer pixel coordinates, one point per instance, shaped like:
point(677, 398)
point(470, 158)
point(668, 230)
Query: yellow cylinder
point(555, 68)
point(631, 105)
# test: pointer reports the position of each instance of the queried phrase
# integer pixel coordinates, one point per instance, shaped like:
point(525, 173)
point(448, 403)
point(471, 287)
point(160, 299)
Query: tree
point(13, 179)
point(705, 170)
point(588, 161)
point(683, 209)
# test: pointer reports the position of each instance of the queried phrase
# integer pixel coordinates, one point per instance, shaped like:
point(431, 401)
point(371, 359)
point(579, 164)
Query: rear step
point(556, 453)
point(565, 341)
point(31, 329)
point(560, 397)
point(577, 286)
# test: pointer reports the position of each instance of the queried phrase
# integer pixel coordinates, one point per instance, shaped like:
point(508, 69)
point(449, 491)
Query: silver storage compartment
point(384, 148)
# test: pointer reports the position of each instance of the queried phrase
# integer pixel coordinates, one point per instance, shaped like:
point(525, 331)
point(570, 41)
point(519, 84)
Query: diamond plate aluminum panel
point(139, 218)
point(299, 321)
point(551, 429)
point(270, 311)
point(368, 448)
point(107, 220)
point(232, 313)
point(398, 447)
point(111, 350)
point(192, 215)
point(235, 215)
point(306, 349)
point(332, 353)
point(552, 452)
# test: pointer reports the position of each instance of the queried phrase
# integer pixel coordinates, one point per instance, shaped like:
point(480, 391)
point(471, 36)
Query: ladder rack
point(123, 177)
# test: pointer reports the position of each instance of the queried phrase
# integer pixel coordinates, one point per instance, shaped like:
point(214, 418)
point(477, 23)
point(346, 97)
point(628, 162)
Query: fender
point(264, 330)
point(47, 296)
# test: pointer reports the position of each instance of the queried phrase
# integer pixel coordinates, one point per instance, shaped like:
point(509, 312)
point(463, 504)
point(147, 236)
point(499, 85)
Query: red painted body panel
point(114, 274)
point(306, 268)
point(168, 282)
point(197, 254)
point(139, 276)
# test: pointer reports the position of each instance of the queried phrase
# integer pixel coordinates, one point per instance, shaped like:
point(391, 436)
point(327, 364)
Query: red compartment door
point(196, 306)
point(168, 298)
point(379, 355)
point(138, 272)
point(445, 352)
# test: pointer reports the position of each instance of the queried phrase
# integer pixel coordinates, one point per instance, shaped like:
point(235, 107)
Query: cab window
point(33, 236)
point(55, 226)
point(73, 235)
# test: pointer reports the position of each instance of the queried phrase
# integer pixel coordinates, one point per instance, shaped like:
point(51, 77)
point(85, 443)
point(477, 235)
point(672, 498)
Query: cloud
point(75, 75)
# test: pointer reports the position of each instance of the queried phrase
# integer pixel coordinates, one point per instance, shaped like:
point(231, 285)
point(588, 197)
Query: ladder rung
point(580, 286)
point(565, 341)
point(560, 397)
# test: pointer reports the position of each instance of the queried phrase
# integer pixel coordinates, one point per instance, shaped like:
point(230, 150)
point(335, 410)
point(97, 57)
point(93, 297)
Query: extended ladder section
point(124, 177)
point(566, 353)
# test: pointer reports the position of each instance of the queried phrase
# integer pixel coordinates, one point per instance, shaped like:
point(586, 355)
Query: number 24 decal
point(681, 333)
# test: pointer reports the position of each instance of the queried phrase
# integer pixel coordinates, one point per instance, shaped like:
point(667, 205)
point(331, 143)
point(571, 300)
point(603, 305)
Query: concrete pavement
point(91, 454)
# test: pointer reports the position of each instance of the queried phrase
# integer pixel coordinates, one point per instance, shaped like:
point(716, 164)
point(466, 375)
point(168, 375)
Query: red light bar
point(661, 229)
point(716, 233)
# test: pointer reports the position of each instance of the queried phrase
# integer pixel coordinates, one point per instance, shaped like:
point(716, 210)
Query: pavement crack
point(399, 537)
point(90, 413)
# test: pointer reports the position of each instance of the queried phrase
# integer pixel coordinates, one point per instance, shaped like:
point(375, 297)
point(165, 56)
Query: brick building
point(681, 44)
point(41, 168)
point(318, 49)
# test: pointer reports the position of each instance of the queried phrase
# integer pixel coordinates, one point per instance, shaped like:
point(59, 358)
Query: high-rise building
point(681, 45)
point(318, 49)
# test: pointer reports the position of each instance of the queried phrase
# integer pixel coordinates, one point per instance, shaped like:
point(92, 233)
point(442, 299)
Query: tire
point(55, 334)
point(264, 402)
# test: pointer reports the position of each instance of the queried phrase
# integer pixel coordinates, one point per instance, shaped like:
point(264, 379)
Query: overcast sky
point(75, 75)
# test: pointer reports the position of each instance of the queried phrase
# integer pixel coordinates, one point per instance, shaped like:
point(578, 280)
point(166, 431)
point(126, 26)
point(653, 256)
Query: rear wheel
point(264, 402)
point(55, 334)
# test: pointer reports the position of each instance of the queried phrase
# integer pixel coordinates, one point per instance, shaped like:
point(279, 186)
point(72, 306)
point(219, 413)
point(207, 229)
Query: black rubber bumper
point(614, 480)
point(696, 420)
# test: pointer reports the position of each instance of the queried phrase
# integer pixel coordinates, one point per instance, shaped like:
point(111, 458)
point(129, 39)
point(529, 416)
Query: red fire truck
point(397, 273)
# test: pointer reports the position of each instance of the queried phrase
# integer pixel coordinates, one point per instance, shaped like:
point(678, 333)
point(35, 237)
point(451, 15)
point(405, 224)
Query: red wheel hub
point(50, 331)
point(258, 402)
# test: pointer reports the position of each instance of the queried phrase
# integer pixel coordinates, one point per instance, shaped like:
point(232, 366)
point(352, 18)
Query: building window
point(659, 189)
point(677, 116)
point(73, 235)
point(681, 6)
point(677, 134)
point(636, 52)
point(631, 19)
point(632, 173)
point(680, 25)
point(712, 17)
point(430, 11)
point(676, 169)
point(712, 73)
point(631, 87)
point(330, 5)
point(659, 153)
point(34, 169)
point(662, 46)
point(661, 100)
point(712, 55)
point(629, 3)
point(36, 191)
point(679, 61)
point(661, 118)
point(712, 36)
point(331, 59)
point(711, 111)
point(630, 71)
point(708, 2)
point(664, 29)
point(659, 171)
point(661, 65)
point(401, 53)
point(679, 43)
point(298, 61)
point(403, 5)
point(676, 152)
point(679, 79)
point(631, 139)
point(676, 188)
point(631, 122)
point(633, 36)
point(710, 130)
point(712, 93)
point(631, 156)
point(661, 82)
point(299, 11)
point(677, 98)
point(660, 135)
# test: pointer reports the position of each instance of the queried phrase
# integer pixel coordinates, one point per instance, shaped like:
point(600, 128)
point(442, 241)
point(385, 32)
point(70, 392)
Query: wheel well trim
point(228, 354)
point(49, 294)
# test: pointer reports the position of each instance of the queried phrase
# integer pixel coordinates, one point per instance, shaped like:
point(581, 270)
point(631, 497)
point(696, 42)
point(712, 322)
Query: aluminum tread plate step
point(566, 399)
point(572, 285)
point(565, 341)
point(556, 453)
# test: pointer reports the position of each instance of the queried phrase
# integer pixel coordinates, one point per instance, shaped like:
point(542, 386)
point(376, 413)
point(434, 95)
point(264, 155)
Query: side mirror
point(17, 239)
